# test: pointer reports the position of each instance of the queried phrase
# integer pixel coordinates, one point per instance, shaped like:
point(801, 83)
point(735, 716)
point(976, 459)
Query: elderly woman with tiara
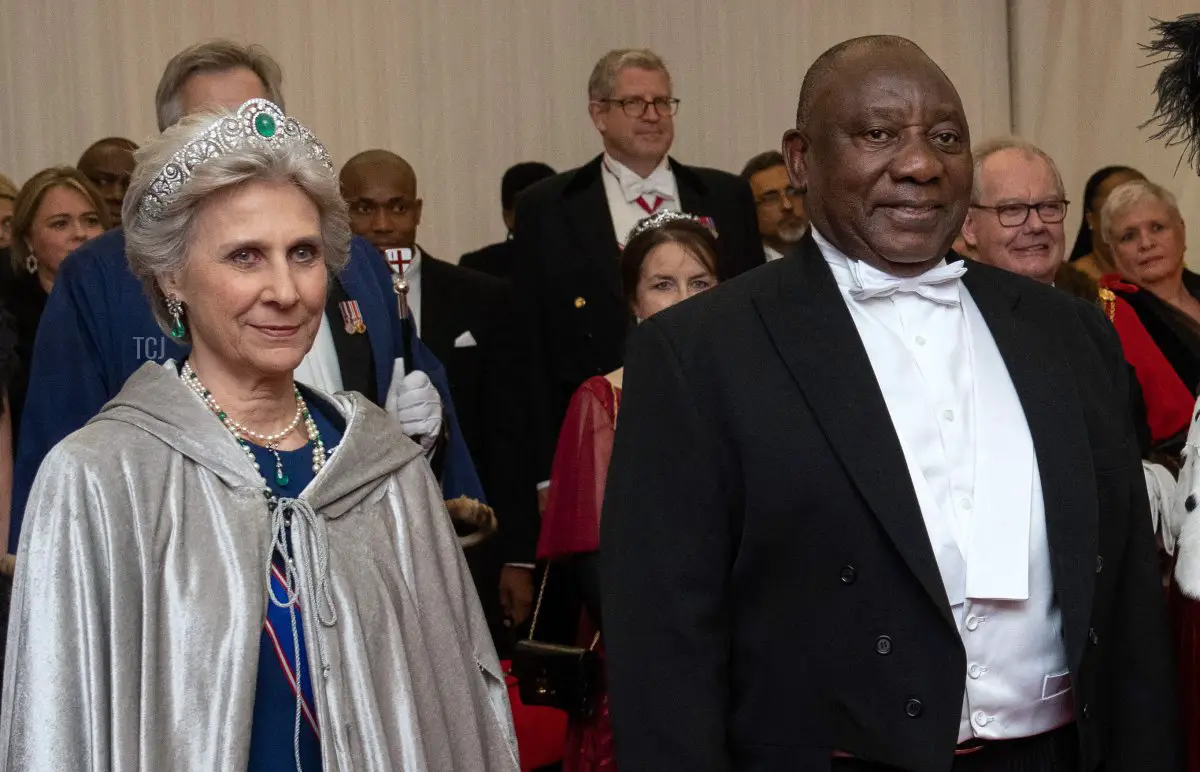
point(225, 570)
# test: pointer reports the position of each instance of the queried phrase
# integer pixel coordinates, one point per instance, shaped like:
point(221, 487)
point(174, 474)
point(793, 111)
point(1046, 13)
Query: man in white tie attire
point(874, 508)
point(569, 231)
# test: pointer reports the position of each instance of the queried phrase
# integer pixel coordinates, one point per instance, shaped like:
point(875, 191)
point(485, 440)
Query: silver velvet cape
point(141, 591)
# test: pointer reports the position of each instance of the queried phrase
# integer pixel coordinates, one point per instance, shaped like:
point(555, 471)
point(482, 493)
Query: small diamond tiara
point(661, 218)
point(256, 122)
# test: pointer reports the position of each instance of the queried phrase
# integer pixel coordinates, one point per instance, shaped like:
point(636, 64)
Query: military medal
point(352, 317)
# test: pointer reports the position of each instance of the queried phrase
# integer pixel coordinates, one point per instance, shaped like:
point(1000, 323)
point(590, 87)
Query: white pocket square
point(466, 340)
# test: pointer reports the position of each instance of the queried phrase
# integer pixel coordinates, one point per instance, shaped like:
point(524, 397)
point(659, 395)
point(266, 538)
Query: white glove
point(414, 401)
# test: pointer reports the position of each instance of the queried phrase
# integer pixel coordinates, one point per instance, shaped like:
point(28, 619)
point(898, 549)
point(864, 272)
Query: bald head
point(849, 52)
point(371, 164)
point(381, 189)
point(109, 163)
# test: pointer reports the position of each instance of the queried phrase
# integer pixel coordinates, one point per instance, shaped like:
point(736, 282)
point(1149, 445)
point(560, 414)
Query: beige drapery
point(464, 88)
point(1080, 90)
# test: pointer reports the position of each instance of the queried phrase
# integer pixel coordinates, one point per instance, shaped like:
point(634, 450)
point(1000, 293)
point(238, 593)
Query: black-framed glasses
point(636, 107)
point(1013, 215)
point(776, 197)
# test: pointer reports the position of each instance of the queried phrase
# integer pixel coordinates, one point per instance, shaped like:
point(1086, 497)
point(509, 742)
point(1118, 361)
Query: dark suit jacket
point(487, 383)
point(569, 283)
point(761, 533)
point(497, 259)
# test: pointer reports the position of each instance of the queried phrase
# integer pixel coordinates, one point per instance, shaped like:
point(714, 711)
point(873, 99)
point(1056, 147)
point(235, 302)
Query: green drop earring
point(175, 308)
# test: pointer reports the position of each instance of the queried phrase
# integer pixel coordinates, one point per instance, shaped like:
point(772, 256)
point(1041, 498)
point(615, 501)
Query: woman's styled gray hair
point(1131, 193)
point(157, 247)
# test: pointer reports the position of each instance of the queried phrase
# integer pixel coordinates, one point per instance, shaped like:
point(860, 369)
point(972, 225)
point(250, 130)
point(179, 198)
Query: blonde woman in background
point(54, 213)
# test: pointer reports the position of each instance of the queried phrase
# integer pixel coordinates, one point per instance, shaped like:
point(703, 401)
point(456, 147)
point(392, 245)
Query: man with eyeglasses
point(1015, 223)
point(570, 229)
point(781, 220)
point(1018, 204)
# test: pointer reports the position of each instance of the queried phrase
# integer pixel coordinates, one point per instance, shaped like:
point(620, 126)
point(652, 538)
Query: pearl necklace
point(269, 441)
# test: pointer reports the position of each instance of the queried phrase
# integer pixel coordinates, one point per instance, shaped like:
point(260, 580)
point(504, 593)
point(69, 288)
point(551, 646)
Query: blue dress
point(271, 738)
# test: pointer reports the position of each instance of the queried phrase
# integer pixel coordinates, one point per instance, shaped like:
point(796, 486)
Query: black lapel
point(591, 223)
point(693, 193)
point(1024, 333)
point(437, 306)
point(808, 321)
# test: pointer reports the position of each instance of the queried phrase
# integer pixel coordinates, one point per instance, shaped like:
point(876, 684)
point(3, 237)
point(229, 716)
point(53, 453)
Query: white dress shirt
point(971, 459)
point(771, 253)
point(623, 187)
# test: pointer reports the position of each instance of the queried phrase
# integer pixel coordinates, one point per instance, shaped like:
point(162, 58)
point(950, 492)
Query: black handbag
point(556, 676)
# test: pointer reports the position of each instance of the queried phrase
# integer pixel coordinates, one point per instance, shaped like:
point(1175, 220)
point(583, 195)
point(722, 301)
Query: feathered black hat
point(1178, 87)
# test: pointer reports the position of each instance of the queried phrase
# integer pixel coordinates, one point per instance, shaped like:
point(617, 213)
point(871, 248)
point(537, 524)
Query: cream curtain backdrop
point(465, 88)
point(1080, 91)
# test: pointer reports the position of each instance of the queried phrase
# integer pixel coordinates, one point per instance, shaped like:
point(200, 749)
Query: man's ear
point(795, 148)
point(599, 114)
point(968, 231)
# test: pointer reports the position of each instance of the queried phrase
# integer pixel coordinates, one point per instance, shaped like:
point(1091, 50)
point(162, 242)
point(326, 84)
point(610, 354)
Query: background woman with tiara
point(668, 258)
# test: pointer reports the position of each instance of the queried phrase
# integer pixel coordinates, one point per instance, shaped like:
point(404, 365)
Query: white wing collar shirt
point(632, 197)
point(971, 459)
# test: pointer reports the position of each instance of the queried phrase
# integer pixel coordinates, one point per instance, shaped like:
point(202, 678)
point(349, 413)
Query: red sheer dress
point(571, 525)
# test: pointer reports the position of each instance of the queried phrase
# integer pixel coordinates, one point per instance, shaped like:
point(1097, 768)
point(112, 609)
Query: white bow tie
point(633, 187)
point(939, 284)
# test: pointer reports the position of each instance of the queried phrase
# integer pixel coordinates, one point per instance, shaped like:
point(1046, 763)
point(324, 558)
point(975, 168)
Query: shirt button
point(913, 708)
point(981, 718)
point(972, 623)
point(965, 503)
point(974, 671)
point(883, 645)
point(948, 415)
point(1099, 564)
point(848, 575)
point(920, 340)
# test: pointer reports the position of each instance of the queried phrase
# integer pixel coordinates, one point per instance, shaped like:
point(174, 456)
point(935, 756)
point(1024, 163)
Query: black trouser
point(1056, 751)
